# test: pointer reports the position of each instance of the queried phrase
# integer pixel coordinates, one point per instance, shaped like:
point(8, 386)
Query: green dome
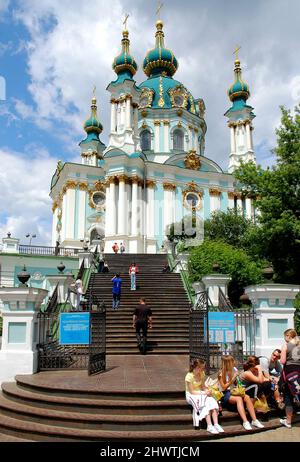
point(124, 61)
point(160, 59)
point(238, 89)
point(92, 124)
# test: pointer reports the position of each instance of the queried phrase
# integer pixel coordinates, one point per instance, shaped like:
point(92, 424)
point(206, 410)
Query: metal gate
point(97, 348)
point(201, 347)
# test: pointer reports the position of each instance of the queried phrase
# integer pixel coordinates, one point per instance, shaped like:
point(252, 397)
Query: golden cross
point(236, 51)
point(159, 7)
point(125, 21)
point(94, 91)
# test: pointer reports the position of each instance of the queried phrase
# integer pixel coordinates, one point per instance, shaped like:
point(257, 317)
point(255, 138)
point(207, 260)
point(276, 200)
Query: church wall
point(206, 204)
point(76, 213)
point(224, 202)
point(158, 213)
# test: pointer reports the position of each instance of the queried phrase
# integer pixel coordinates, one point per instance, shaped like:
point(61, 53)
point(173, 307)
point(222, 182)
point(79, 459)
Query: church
point(154, 171)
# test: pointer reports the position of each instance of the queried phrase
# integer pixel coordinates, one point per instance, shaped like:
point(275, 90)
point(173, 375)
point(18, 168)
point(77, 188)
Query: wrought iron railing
point(48, 251)
point(184, 276)
point(224, 302)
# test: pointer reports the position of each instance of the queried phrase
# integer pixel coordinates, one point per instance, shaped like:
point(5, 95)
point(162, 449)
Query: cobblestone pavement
point(282, 434)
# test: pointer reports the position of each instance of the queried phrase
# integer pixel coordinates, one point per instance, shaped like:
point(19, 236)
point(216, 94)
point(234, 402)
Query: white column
point(118, 116)
point(248, 137)
point(140, 226)
point(191, 139)
point(113, 117)
point(134, 205)
point(150, 209)
point(230, 200)
point(54, 224)
point(121, 206)
point(113, 215)
point(197, 147)
point(166, 136)
point(107, 212)
point(169, 202)
point(156, 136)
point(232, 139)
point(248, 208)
point(239, 204)
point(81, 213)
point(71, 213)
point(215, 200)
point(128, 113)
point(64, 217)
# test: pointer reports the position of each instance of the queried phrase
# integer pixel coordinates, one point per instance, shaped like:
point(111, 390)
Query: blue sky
point(53, 52)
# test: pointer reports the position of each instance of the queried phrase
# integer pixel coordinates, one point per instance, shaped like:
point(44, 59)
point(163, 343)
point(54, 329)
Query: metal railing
point(184, 276)
point(48, 251)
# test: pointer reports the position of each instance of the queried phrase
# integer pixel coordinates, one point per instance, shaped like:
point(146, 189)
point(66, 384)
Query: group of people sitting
point(262, 383)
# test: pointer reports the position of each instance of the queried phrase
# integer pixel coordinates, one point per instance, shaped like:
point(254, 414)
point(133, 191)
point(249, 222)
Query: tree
point(235, 262)
point(278, 200)
point(231, 227)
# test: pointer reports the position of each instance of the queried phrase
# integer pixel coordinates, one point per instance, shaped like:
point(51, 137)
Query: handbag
point(261, 404)
point(216, 393)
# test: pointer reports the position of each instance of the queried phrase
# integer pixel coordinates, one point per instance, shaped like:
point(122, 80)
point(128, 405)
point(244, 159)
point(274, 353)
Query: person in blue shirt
point(116, 291)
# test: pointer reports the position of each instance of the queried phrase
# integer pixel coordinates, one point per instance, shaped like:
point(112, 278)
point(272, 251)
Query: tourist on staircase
point(228, 380)
point(142, 320)
point(116, 291)
point(115, 248)
point(198, 396)
point(122, 248)
point(105, 267)
point(290, 358)
point(133, 270)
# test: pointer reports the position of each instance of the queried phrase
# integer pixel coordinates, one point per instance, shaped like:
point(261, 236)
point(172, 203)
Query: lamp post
point(32, 236)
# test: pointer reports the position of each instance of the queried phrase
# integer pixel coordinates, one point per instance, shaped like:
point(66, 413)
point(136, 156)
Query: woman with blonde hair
point(198, 396)
point(290, 358)
point(227, 379)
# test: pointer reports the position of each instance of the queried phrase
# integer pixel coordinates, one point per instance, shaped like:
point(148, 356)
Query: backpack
point(292, 379)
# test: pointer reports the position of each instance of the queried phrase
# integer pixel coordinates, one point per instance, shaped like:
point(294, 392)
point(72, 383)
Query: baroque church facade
point(154, 171)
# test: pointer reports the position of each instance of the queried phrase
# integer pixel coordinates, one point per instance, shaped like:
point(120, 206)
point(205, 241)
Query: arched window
point(146, 140)
point(178, 140)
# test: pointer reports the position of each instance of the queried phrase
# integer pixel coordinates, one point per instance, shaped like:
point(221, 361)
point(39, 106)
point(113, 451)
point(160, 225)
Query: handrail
point(45, 250)
point(52, 302)
point(183, 273)
point(224, 302)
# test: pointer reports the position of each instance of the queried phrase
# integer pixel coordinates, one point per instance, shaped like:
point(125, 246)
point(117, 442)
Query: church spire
point(124, 64)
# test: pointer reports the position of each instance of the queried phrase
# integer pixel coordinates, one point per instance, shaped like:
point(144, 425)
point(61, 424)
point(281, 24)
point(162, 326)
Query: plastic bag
point(261, 404)
point(238, 391)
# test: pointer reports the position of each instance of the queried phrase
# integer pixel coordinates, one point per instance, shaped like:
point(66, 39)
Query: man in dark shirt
point(142, 319)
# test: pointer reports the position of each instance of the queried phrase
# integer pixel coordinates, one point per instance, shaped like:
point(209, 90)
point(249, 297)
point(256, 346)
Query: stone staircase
point(164, 294)
point(32, 411)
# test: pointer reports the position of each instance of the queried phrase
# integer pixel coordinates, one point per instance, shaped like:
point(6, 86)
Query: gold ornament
point(192, 160)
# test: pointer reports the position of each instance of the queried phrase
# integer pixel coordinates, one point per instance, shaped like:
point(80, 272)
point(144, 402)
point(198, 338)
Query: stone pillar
point(248, 203)
point(197, 147)
point(64, 281)
point(169, 205)
point(213, 282)
point(232, 139)
point(191, 137)
point(134, 205)
point(122, 205)
point(18, 353)
point(239, 202)
point(83, 187)
point(150, 208)
point(113, 206)
point(140, 222)
point(10, 244)
point(86, 257)
point(107, 210)
point(70, 219)
point(113, 116)
point(156, 135)
point(128, 112)
point(166, 136)
point(248, 136)
point(215, 199)
point(274, 313)
point(231, 197)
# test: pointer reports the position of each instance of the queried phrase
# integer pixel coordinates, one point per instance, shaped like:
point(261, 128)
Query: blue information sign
point(221, 327)
point(74, 329)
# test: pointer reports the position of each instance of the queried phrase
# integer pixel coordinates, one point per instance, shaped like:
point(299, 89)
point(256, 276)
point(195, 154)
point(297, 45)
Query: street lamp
point(32, 236)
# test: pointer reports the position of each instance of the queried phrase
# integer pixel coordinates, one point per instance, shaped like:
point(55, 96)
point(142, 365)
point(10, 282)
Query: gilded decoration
point(95, 203)
point(201, 107)
point(215, 192)
point(144, 113)
point(99, 186)
point(123, 178)
point(169, 186)
point(150, 183)
point(166, 122)
point(83, 186)
point(192, 160)
point(231, 195)
point(179, 112)
point(161, 101)
point(192, 199)
point(54, 206)
point(178, 96)
point(144, 125)
point(59, 214)
point(156, 122)
point(192, 105)
point(71, 184)
point(146, 98)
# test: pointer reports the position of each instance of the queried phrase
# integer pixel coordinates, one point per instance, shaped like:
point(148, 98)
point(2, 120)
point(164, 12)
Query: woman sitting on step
point(228, 377)
point(198, 396)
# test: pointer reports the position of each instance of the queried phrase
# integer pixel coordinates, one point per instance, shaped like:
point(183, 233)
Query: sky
point(53, 52)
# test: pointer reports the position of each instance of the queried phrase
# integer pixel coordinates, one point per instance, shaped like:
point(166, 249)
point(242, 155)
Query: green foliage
point(278, 192)
point(182, 230)
point(232, 261)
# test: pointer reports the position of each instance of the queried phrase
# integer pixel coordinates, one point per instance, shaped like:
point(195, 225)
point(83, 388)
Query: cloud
point(25, 183)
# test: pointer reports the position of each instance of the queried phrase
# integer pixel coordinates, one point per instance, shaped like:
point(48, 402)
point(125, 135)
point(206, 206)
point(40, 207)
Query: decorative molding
point(192, 160)
point(147, 94)
point(179, 93)
point(179, 112)
point(215, 192)
point(169, 186)
point(54, 206)
point(231, 195)
point(161, 101)
point(186, 204)
point(99, 186)
point(166, 122)
point(83, 186)
point(150, 183)
point(157, 122)
point(144, 113)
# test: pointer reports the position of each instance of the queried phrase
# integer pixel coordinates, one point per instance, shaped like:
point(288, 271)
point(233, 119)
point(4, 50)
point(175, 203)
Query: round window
point(178, 100)
point(192, 199)
point(99, 198)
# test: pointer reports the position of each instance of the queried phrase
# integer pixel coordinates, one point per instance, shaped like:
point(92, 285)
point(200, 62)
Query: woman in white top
point(198, 396)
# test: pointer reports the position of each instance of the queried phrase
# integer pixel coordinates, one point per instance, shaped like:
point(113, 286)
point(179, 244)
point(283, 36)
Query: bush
point(235, 262)
point(297, 313)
